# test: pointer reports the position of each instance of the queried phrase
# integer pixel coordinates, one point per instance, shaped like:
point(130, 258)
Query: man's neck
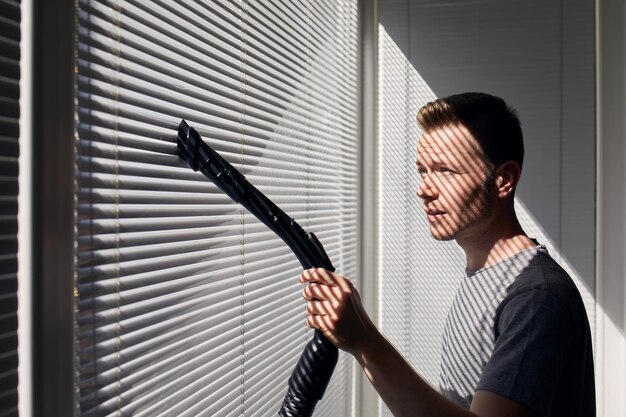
point(498, 241)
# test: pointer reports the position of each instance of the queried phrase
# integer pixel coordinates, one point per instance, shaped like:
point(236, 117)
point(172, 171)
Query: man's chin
point(442, 237)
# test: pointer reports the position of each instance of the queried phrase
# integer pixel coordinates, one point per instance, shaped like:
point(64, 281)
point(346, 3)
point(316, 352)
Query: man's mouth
point(435, 215)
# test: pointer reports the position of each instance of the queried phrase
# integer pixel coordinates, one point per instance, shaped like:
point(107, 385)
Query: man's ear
point(507, 176)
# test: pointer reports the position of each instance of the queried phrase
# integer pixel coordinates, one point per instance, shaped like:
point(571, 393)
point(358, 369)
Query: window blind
point(185, 303)
point(10, 16)
point(420, 275)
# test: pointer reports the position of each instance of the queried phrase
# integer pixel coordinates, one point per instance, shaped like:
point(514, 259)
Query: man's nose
point(427, 189)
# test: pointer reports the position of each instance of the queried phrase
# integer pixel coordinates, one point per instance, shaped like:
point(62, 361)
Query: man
point(517, 339)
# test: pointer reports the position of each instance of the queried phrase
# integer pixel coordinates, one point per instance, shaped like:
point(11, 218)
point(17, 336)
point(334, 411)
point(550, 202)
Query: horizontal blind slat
point(251, 48)
point(256, 73)
point(148, 110)
point(128, 93)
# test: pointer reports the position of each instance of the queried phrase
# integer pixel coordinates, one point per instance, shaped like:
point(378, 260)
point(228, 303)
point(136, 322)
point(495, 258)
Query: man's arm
point(334, 307)
point(400, 387)
point(489, 404)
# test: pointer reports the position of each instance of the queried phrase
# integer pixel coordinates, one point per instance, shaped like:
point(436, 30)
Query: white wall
point(611, 99)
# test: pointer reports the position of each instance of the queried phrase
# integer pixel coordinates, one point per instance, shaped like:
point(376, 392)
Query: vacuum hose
point(312, 373)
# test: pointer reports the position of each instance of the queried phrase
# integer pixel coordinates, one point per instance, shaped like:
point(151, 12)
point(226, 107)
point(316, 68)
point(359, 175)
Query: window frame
point(52, 202)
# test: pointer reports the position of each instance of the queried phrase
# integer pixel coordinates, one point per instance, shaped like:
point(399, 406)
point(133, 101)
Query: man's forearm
point(401, 388)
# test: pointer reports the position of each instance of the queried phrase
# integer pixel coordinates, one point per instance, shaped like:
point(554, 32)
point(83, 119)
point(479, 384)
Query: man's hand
point(334, 307)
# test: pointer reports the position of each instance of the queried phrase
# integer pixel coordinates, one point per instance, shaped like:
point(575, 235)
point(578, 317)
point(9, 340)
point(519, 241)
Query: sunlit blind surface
point(9, 152)
point(420, 275)
point(186, 304)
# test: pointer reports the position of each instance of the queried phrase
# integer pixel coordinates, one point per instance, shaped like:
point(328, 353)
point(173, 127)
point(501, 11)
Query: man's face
point(455, 182)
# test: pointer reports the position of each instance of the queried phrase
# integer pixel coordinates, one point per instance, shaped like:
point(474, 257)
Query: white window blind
point(420, 276)
point(186, 304)
point(9, 151)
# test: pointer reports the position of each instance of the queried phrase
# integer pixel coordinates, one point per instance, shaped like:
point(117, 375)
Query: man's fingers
point(325, 277)
point(319, 275)
point(315, 322)
point(315, 291)
point(320, 308)
point(319, 322)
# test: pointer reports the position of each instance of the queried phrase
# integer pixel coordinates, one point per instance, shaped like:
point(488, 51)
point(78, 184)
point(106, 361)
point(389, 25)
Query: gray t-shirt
point(519, 329)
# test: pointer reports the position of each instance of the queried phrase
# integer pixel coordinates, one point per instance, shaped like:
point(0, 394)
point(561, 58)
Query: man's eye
point(445, 170)
point(421, 171)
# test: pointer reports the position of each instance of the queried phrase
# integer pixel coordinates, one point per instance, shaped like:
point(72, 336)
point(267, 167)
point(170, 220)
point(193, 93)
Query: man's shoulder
point(543, 273)
point(542, 335)
point(544, 279)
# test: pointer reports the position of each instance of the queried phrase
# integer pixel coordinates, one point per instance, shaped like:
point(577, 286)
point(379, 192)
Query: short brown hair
point(493, 123)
